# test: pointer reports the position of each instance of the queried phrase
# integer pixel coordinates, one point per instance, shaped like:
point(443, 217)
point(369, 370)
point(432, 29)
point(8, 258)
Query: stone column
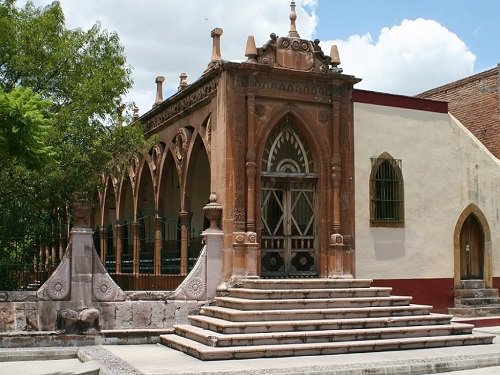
point(157, 247)
point(185, 218)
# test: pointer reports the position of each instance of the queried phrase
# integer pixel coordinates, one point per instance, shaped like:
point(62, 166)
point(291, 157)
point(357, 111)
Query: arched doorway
point(288, 205)
point(471, 249)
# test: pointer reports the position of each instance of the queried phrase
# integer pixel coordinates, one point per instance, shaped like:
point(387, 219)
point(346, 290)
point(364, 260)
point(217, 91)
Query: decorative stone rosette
point(58, 286)
point(194, 286)
point(104, 288)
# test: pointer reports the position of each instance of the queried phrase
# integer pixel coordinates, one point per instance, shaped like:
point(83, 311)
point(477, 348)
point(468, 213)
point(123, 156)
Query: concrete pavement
point(156, 360)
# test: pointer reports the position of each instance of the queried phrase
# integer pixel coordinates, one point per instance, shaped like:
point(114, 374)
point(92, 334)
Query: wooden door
point(471, 249)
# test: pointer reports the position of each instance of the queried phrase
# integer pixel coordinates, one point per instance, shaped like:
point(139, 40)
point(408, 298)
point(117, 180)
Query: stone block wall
point(20, 311)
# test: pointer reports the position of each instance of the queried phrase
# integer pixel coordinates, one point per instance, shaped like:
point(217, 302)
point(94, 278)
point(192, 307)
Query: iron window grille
point(386, 192)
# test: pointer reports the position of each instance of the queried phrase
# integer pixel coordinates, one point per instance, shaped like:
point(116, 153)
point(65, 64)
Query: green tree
point(59, 90)
point(24, 128)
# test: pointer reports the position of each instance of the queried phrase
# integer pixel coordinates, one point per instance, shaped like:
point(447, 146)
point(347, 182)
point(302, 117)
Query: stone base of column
point(339, 258)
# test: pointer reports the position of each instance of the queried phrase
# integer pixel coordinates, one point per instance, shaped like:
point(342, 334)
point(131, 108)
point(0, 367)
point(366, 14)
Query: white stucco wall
point(445, 168)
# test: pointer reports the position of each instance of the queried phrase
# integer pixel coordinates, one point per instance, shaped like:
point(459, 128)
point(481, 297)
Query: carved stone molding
point(178, 105)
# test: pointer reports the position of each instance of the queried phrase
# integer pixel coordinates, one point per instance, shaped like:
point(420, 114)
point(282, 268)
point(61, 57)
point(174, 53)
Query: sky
point(396, 46)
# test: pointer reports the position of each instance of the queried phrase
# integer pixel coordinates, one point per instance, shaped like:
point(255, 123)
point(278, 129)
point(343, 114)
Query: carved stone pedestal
point(339, 258)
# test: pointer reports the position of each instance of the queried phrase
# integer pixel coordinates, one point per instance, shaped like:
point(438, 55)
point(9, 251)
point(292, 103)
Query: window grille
point(386, 192)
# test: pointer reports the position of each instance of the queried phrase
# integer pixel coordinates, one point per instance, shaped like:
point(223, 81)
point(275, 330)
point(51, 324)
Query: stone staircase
point(297, 317)
point(473, 299)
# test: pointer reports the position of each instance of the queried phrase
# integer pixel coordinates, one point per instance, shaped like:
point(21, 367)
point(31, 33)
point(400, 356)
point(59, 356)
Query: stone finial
point(293, 16)
point(159, 90)
point(334, 54)
point(213, 211)
point(216, 34)
point(251, 49)
point(182, 82)
point(135, 109)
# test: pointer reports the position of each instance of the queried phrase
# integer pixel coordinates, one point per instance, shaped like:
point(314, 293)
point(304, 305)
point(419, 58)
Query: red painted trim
point(435, 292)
point(399, 101)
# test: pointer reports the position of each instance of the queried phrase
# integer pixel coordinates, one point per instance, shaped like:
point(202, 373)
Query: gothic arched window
point(386, 192)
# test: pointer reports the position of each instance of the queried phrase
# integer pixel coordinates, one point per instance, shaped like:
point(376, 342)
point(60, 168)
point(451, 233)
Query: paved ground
point(157, 360)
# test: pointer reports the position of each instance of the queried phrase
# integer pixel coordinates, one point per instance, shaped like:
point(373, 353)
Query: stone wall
point(20, 311)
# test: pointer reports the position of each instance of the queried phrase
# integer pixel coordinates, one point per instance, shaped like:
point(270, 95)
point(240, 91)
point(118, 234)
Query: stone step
point(285, 304)
point(472, 284)
point(309, 293)
point(475, 293)
point(281, 338)
point(477, 302)
point(205, 352)
point(305, 283)
point(475, 311)
point(228, 327)
point(235, 315)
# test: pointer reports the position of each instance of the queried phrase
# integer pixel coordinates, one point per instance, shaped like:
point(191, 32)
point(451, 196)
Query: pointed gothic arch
point(474, 213)
point(386, 192)
point(288, 203)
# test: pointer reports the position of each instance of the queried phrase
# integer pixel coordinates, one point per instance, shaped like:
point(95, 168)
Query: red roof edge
point(399, 101)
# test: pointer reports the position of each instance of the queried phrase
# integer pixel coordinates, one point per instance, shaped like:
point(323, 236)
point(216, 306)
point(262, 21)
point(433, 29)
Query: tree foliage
point(59, 90)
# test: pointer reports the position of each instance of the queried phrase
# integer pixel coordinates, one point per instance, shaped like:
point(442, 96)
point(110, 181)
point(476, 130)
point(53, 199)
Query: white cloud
point(406, 59)
point(168, 37)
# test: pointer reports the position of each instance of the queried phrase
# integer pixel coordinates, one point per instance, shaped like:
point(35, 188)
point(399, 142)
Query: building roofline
point(399, 101)
point(461, 82)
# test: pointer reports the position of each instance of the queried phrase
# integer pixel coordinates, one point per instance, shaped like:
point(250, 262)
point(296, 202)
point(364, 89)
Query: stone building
point(315, 178)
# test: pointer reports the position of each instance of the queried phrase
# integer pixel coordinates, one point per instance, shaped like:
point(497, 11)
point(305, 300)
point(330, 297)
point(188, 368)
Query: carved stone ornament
point(260, 110)
point(208, 134)
point(239, 238)
point(181, 146)
point(336, 240)
point(104, 288)
point(194, 286)
point(323, 115)
point(134, 171)
point(58, 286)
point(251, 237)
point(154, 163)
point(213, 211)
